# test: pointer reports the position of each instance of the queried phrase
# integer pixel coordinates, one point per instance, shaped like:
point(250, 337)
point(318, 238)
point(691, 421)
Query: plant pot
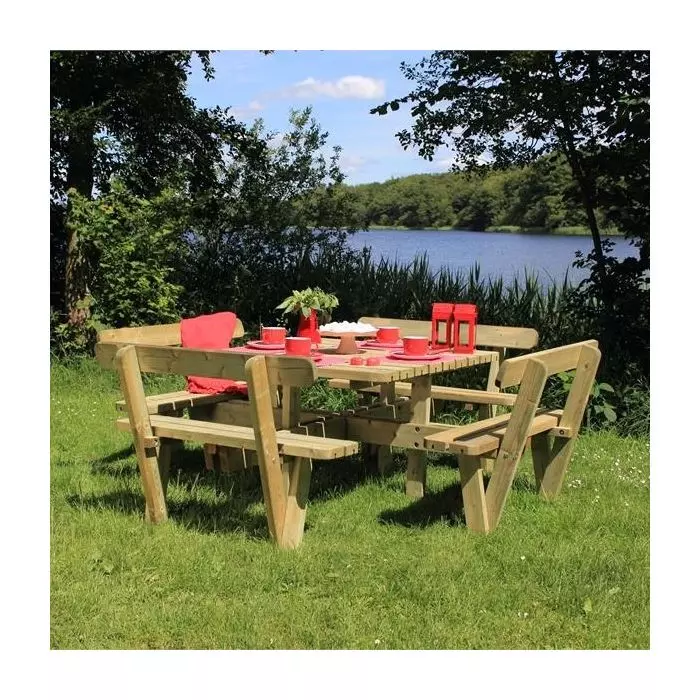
point(308, 327)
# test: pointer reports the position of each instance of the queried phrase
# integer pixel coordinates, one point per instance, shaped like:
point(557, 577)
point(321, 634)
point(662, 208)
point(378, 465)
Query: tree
point(511, 107)
point(123, 113)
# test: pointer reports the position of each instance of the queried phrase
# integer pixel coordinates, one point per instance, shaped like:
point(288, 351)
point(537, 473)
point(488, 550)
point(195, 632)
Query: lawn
point(374, 571)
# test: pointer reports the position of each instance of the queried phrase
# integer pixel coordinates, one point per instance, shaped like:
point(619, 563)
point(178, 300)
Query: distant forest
point(538, 197)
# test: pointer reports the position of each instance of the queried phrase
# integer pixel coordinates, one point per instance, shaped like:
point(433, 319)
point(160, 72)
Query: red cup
point(274, 334)
point(356, 361)
point(416, 344)
point(297, 346)
point(374, 361)
point(388, 334)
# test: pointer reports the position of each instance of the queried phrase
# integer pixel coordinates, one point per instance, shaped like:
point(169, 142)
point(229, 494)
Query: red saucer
point(260, 345)
point(377, 344)
point(401, 355)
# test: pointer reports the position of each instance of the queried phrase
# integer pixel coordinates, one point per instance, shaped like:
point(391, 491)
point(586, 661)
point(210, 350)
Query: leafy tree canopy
point(510, 107)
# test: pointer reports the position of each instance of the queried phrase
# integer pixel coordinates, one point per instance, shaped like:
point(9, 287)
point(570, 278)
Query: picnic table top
point(333, 366)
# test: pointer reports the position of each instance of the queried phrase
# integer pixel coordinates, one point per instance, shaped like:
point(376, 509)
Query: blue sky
point(340, 86)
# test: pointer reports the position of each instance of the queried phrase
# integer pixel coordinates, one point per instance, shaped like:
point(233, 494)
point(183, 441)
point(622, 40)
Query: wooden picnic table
point(386, 423)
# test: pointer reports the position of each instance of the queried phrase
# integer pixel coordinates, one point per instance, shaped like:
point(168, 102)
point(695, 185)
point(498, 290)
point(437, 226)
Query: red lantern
point(441, 334)
point(464, 320)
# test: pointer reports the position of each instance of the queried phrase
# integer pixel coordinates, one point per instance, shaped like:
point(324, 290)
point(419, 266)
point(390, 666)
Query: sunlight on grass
point(375, 570)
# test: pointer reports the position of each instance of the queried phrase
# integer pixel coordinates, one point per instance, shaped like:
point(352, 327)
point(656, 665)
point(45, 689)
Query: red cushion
point(210, 332)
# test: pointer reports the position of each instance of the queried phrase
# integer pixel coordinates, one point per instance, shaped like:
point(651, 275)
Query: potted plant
point(312, 305)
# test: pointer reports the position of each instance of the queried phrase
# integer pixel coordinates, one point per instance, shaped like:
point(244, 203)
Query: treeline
point(541, 196)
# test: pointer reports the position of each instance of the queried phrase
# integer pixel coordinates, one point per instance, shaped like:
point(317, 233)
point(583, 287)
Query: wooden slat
point(241, 436)
point(471, 477)
point(274, 488)
point(486, 336)
point(487, 443)
point(562, 447)
point(513, 442)
point(179, 400)
point(164, 334)
point(295, 371)
point(444, 393)
point(142, 431)
point(417, 459)
point(560, 359)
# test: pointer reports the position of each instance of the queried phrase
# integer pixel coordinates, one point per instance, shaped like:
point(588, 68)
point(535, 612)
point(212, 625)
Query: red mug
point(274, 335)
point(416, 344)
point(295, 345)
point(388, 334)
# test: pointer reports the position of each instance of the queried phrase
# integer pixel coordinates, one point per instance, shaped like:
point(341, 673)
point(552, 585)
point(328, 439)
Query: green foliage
point(255, 235)
point(512, 107)
point(600, 412)
point(131, 243)
point(307, 299)
point(536, 196)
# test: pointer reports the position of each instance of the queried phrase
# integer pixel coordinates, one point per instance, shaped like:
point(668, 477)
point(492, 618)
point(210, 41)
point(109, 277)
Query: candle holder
point(441, 333)
point(464, 320)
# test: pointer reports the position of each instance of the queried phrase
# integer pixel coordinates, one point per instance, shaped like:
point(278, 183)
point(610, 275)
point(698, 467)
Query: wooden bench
point(500, 338)
point(285, 492)
point(171, 403)
point(174, 403)
point(552, 432)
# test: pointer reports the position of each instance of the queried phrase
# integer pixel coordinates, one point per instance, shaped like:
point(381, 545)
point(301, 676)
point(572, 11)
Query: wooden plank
point(297, 500)
point(178, 400)
point(443, 439)
point(274, 493)
point(164, 334)
point(513, 441)
point(486, 336)
point(387, 397)
point(488, 442)
point(142, 432)
point(556, 360)
point(444, 393)
point(238, 436)
point(295, 371)
point(473, 495)
point(562, 447)
point(417, 459)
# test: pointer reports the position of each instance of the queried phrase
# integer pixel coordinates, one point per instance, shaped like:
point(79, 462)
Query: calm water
point(499, 254)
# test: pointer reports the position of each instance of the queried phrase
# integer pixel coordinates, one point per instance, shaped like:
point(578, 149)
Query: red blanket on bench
point(210, 332)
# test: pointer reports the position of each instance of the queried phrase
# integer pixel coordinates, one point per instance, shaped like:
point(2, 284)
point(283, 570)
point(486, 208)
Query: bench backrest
point(501, 337)
point(289, 371)
point(164, 334)
point(561, 359)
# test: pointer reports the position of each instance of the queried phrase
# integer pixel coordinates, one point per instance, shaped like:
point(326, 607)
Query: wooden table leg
point(420, 413)
point(296, 472)
point(387, 395)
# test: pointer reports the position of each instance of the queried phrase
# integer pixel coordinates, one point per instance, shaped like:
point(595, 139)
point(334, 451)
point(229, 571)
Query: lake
point(506, 255)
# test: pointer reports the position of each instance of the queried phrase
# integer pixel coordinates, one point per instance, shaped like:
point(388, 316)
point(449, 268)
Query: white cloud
point(351, 164)
point(252, 108)
point(357, 87)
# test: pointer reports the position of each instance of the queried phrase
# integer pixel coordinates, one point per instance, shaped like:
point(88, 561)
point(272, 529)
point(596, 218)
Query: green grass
point(375, 570)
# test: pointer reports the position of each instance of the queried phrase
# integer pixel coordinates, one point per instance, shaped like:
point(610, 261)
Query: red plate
point(401, 355)
point(260, 345)
point(377, 344)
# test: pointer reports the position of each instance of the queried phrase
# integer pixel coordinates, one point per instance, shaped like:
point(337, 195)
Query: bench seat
point(289, 444)
point(444, 393)
point(482, 439)
point(176, 401)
